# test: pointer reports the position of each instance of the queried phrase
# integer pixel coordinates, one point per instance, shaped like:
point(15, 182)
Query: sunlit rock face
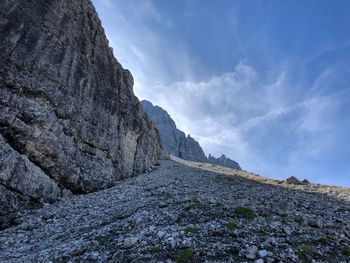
point(69, 120)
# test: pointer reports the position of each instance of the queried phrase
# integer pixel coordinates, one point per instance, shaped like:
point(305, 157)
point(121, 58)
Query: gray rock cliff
point(69, 120)
point(175, 141)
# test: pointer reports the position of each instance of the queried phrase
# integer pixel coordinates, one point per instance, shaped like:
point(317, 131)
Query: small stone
point(290, 251)
point(301, 219)
point(93, 256)
point(161, 234)
point(287, 230)
point(251, 252)
point(259, 261)
point(138, 220)
point(163, 204)
point(316, 222)
point(172, 242)
point(130, 241)
point(271, 240)
point(262, 253)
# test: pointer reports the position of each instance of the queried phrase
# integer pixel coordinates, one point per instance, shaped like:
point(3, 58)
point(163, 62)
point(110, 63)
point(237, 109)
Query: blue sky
point(265, 82)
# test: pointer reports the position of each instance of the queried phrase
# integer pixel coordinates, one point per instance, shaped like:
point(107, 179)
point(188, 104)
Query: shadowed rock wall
point(69, 120)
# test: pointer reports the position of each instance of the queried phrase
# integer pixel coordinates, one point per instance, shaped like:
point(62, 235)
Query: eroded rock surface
point(69, 120)
point(179, 213)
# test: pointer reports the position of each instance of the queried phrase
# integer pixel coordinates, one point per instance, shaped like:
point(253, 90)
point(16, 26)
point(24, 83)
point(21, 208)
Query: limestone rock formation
point(69, 120)
point(223, 161)
point(175, 141)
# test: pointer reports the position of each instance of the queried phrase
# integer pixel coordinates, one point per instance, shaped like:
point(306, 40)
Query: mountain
point(69, 120)
point(223, 161)
point(175, 141)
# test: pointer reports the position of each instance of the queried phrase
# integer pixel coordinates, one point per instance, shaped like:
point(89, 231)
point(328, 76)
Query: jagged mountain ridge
point(175, 141)
point(69, 120)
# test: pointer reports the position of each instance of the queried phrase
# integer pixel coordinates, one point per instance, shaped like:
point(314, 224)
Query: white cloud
point(145, 9)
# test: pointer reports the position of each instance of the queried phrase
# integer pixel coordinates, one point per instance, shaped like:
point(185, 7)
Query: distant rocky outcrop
point(223, 161)
point(295, 181)
point(69, 120)
point(175, 141)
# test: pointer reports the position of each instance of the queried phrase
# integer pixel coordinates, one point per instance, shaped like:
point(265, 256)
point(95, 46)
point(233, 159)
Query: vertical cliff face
point(174, 141)
point(69, 120)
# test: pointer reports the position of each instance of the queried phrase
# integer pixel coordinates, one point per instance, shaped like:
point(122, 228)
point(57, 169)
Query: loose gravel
point(179, 213)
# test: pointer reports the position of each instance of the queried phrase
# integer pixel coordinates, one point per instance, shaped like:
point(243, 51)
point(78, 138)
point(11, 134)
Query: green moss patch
point(346, 252)
point(231, 225)
point(245, 212)
point(190, 230)
point(185, 255)
point(192, 206)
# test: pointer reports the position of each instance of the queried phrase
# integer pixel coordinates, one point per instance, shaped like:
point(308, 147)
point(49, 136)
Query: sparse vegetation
point(259, 231)
point(325, 240)
point(190, 230)
point(305, 253)
point(245, 212)
point(235, 252)
point(155, 249)
point(191, 206)
point(185, 256)
point(231, 225)
point(306, 248)
point(346, 251)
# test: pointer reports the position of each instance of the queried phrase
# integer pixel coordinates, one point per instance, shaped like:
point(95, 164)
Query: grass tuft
point(191, 206)
point(155, 249)
point(245, 212)
point(305, 253)
point(346, 251)
point(325, 240)
point(185, 255)
point(190, 230)
point(231, 225)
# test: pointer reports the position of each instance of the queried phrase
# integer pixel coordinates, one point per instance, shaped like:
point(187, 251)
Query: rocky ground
point(179, 213)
